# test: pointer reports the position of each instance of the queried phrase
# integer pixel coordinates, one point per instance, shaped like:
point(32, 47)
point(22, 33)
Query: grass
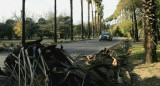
point(138, 52)
point(147, 74)
point(137, 56)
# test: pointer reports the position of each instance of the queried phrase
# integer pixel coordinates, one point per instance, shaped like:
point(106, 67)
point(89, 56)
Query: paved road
point(3, 56)
point(83, 47)
point(89, 46)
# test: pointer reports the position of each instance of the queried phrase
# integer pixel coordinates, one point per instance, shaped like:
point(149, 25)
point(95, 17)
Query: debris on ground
point(117, 52)
point(39, 65)
point(11, 47)
point(117, 56)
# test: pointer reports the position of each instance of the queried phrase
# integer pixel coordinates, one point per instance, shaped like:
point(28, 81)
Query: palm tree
point(92, 21)
point(95, 24)
point(82, 30)
point(100, 21)
point(98, 6)
point(23, 22)
point(71, 8)
point(149, 24)
point(95, 27)
point(55, 21)
point(89, 29)
point(100, 15)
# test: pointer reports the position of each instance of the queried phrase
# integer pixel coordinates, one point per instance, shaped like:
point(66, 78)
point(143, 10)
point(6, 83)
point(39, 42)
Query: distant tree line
point(64, 27)
point(11, 29)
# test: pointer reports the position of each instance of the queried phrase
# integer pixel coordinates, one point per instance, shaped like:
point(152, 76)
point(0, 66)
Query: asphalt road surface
point(83, 47)
point(89, 46)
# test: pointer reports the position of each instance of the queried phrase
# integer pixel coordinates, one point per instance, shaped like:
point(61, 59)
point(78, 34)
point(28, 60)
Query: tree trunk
point(95, 25)
point(136, 28)
point(132, 28)
point(158, 26)
point(23, 22)
point(89, 29)
point(144, 29)
point(158, 34)
point(92, 22)
point(98, 25)
point(55, 21)
point(71, 5)
point(150, 28)
point(82, 31)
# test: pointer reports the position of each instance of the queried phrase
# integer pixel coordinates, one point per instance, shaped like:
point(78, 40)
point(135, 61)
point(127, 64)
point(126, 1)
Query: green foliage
point(46, 26)
point(2, 30)
point(125, 27)
point(77, 30)
point(110, 18)
point(125, 5)
point(124, 15)
point(9, 28)
point(64, 26)
point(158, 12)
point(42, 21)
point(30, 28)
point(116, 31)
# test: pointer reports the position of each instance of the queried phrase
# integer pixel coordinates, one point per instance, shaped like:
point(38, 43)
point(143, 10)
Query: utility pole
point(23, 22)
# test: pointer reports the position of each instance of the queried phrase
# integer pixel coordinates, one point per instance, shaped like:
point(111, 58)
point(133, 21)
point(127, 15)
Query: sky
point(39, 8)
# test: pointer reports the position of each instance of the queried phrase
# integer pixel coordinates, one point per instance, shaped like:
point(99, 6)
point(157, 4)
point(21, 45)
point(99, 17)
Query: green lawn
point(138, 52)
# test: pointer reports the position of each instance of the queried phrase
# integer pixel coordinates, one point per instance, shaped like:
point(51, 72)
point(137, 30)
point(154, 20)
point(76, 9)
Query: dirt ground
point(143, 74)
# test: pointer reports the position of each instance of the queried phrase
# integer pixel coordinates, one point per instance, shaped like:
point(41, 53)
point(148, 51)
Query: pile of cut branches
point(119, 52)
point(39, 65)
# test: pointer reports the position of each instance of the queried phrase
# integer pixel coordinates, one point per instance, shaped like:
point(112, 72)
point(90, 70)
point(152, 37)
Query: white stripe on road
point(109, 46)
point(114, 43)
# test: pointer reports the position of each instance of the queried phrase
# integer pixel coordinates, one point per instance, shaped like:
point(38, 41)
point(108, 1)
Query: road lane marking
point(109, 46)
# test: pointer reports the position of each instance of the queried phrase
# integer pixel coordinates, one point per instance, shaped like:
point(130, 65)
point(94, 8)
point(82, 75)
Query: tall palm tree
point(89, 29)
point(101, 17)
point(23, 22)
point(71, 8)
point(95, 26)
point(149, 21)
point(98, 23)
point(55, 21)
point(92, 20)
point(82, 29)
point(97, 6)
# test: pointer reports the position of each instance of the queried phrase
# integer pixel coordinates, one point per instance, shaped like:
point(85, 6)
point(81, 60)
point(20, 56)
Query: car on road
point(105, 36)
